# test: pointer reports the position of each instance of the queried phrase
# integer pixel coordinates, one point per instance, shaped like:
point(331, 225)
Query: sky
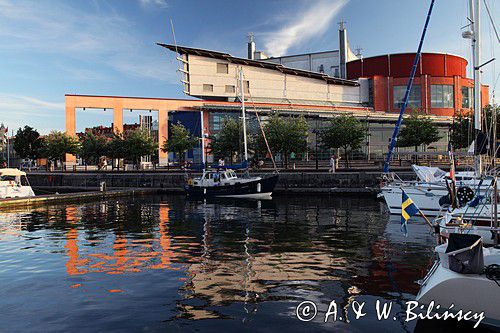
point(49, 48)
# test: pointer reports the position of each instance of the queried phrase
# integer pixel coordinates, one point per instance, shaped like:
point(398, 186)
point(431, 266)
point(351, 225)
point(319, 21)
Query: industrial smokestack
point(342, 50)
point(251, 46)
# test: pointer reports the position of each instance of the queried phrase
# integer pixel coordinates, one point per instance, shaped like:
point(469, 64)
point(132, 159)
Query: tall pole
point(395, 134)
point(495, 212)
point(8, 149)
point(203, 159)
point(244, 119)
point(475, 9)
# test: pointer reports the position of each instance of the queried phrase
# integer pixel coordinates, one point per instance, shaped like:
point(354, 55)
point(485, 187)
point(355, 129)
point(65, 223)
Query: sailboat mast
point(202, 125)
point(243, 115)
point(475, 10)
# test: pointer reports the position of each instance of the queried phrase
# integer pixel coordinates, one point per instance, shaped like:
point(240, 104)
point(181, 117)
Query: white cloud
point(100, 37)
point(303, 26)
point(19, 110)
point(159, 3)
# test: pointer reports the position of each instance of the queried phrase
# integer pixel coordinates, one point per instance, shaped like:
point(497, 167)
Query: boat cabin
point(13, 177)
point(217, 177)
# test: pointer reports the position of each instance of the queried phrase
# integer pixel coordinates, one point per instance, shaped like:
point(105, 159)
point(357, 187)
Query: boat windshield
point(7, 178)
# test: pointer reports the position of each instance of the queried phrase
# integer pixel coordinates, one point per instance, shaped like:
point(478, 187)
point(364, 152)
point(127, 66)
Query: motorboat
point(226, 183)
point(221, 181)
point(14, 184)
point(430, 186)
point(466, 277)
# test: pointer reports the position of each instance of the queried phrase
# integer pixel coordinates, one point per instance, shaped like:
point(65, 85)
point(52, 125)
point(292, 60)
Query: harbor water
point(164, 263)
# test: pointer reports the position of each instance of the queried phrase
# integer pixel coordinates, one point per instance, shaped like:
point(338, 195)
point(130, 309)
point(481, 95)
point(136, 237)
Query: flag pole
point(426, 219)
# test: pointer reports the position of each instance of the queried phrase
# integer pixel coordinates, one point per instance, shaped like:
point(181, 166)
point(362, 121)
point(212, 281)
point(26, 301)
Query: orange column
point(70, 130)
point(118, 116)
point(162, 135)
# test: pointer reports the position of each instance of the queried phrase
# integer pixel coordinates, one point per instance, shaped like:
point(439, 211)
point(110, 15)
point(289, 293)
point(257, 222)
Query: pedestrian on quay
point(333, 164)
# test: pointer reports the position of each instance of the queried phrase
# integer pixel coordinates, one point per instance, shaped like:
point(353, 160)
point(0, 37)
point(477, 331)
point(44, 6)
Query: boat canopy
point(428, 174)
point(12, 172)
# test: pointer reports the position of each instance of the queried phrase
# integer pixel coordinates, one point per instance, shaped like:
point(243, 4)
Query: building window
point(467, 97)
point(442, 96)
point(414, 100)
point(216, 119)
point(222, 68)
point(246, 87)
point(230, 89)
point(208, 88)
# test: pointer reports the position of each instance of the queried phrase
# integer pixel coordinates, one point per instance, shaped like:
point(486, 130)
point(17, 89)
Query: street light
point(315, 131)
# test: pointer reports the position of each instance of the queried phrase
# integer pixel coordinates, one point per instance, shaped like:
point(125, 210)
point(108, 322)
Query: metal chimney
point(251, 47)
point(342, 50)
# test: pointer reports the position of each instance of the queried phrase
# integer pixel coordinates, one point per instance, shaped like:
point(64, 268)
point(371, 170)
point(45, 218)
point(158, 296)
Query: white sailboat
point(427, 191)
point(466, 275)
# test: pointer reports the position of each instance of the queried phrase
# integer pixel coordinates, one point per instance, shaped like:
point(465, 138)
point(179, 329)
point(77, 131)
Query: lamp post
point(315, 131)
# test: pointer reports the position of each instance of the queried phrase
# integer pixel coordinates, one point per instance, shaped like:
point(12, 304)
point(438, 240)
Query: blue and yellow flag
point(408, 209)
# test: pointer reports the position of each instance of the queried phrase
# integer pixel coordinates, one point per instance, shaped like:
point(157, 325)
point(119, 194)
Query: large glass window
point(216, 119)
point(467, 97)
point(442, 96)
point(414, 100)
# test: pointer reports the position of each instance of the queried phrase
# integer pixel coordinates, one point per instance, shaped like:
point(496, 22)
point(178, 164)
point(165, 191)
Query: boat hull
point(426, 197)
point(469, 292)
point(261, 188)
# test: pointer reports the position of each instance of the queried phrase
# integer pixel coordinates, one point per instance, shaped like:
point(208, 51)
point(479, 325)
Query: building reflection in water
point(233, 252)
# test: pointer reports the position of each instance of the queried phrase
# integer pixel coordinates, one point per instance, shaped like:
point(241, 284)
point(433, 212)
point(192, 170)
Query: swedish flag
point(408, 209)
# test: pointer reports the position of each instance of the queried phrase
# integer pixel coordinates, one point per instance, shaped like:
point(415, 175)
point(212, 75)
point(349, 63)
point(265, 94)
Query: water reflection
point(173, 261)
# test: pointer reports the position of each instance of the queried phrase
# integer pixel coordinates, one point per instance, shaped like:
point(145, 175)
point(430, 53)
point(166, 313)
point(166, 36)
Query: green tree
point(285, 135)
point(57, 144)
point(137, 143)
point(462, 131)
point(115, 147)
point(344, 131)
point(227, 142)
point(27, 143)
point(418, 130)
point(93, 146)
point(180, 141)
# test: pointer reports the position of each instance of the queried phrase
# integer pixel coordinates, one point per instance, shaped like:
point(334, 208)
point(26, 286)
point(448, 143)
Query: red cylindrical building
point(440, 86)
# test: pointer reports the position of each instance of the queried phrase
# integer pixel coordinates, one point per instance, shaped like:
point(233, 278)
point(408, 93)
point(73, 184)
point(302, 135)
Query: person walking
point(333, 164)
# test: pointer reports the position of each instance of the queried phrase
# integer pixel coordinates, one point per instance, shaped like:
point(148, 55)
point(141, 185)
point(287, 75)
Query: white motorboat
point(430, 187)
point(14, 184)
point(464, 278)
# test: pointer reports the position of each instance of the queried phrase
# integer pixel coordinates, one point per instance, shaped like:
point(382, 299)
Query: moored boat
point(226, 183)
point(14, 184)
point(465, 276)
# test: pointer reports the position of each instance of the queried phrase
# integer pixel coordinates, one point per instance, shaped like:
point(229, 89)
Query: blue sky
point(49, 48)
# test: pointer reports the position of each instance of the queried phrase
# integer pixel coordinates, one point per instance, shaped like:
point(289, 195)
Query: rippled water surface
point(162, 263)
